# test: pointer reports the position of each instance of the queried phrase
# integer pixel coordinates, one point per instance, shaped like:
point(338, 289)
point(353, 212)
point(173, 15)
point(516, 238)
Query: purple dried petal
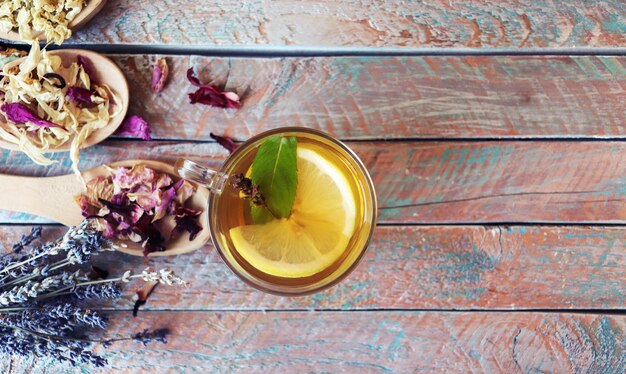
point(159, 75)
point(186, 222)
point(81, 96)
point(20, 113)
point(135, 126)
point(225, 142)
point(211, 95)
point(153, 240)
point(167, 197)
point(192, 78)
point(85, 63)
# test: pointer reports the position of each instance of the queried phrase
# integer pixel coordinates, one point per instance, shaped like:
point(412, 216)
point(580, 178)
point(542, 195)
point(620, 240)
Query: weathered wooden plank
point(361, 23)
point(367, 342)
point(468, 267)
point(436, 182)
point(391, 97)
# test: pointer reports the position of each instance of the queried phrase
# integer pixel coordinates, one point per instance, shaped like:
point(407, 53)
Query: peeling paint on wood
point(390, 97)
point(408, 267)
point(370, 342)
point(435, 182)
point(360, 23)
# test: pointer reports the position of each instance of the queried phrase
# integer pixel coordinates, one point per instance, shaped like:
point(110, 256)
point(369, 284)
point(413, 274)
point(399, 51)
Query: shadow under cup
point(227, 210)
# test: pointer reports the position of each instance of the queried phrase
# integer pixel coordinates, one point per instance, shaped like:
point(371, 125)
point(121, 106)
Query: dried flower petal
point(159, 75)
point(143, 294)
point(135, 126)
point(81, 96)
point(186, 222)
point(211, 95)
point(225, 142)
point(20, 113)
point(85, 63)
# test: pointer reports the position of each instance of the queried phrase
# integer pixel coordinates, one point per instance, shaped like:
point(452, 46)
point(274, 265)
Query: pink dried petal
point(85, 63)
point(20, 113)
point(159, 75)
point(81, 96)
point(211, 95)
point(167, 197)
point(132, 179)
point(135, 126)
point(225, 142)
point(184, 190)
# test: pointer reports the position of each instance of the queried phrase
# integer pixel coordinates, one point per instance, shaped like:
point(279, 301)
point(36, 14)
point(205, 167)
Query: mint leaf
point(260, 215)
point(275, 171)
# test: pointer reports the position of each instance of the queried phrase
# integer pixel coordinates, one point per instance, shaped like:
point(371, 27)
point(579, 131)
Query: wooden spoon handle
point(51, 197)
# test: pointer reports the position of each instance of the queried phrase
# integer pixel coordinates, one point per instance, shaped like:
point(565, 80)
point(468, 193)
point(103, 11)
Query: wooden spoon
point(92, 8)
point(107, 72)
point(53, 198)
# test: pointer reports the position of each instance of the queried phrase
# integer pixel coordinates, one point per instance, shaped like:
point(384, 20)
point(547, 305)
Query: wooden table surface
point(495, 136)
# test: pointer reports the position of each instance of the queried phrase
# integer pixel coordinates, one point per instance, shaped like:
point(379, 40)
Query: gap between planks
point(617, 312)
point(279, 52)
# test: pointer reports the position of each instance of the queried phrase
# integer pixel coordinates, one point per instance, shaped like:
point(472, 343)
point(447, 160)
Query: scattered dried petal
point(143, 294)
point(135, 126)
point(159, 75)
point(225, 142)
point(20, 113)
point(211, 95)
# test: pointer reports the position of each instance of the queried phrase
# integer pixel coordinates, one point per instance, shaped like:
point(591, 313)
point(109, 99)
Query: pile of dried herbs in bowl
point(140, 205)
point(48, 297)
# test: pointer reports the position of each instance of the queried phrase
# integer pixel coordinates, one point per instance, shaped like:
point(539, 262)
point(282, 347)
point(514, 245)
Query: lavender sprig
point(42, 292)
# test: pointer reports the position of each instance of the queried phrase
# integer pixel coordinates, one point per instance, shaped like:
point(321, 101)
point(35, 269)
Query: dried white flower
point(126, 276)
point(164, 276)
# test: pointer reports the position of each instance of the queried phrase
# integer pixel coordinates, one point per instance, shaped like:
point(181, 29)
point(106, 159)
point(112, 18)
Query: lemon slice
point(316, 233)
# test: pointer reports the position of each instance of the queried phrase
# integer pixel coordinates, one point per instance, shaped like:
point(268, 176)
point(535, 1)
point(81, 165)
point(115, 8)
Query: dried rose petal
point(192, 78)
point(143, 294)
point(186, 222)
point(135, 126)
point(167, 197)
point(211, 95)
point(184, 190)
point(20, 113)
point(81, 96)
point(85, 63)
point(225, 142)
point(159, 75)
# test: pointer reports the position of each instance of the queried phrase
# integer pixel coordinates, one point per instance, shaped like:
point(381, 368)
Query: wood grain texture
point(390, 97)
point(434, 182)
point(361, 23)
point(365, 342)
point(464, 267)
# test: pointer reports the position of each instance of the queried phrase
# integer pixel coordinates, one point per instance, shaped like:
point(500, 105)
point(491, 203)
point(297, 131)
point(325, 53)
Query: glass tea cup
point(328, 231)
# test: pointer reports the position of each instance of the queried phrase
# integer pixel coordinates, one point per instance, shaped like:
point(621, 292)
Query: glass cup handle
point(194, 172)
